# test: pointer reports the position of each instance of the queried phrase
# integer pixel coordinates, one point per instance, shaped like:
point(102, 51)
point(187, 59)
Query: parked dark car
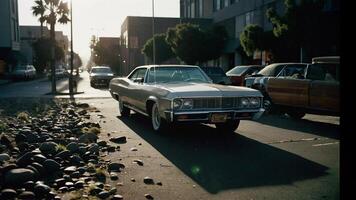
point(315, 89)
point(100, 75)
point(238, 74)
point(217, 75)
point(259, 80)
point(24, 72)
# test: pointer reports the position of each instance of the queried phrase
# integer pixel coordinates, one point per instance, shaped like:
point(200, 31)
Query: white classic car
point(183, 93)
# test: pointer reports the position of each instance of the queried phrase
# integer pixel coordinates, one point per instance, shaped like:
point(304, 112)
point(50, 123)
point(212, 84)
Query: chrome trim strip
point(136, 110)
point(217, 111)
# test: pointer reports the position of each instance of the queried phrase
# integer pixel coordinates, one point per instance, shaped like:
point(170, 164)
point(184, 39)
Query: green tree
point(187, 42)
point(192, 44)
point(300, 26)
point(43, 56)
point(39, 9)
point(163, 51)
point(251, 39)
point(55, 11)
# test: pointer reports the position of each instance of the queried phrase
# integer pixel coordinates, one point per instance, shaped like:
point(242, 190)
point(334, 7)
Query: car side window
point(138, 75)
point(293, 72)
point(323, 72)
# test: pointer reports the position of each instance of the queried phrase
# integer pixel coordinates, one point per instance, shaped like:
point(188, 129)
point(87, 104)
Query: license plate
point(218, 117)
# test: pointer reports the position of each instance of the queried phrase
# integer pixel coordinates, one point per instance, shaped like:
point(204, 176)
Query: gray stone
point(51, 165)
point(102, 143)
point(115, 167)
point(79, 184)
point(48, 147)
point(148, 196)
point(133, 149)
point(103, 195)
point(70, 169)
point(8, 194)
point(112, 191)
point(4, 157)
point(25, 159)
point(88, 138)
point(19, 176)
point(39, 158)
point(39, 168)
point(119, 140)
point(63, 189)
point(94, 148)
point(73, 147)
point(41, 189)
point(117, 197)
point(113, 176)
point(27, 195)
point(148, 180)
point(64, 154)
point(138, 161)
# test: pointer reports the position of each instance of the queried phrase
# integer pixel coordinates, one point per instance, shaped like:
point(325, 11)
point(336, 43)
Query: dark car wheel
point(228, 127)
point(124, 111)
point(158, 124)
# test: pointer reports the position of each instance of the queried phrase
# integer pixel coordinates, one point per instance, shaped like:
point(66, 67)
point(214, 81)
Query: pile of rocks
point(55, 152)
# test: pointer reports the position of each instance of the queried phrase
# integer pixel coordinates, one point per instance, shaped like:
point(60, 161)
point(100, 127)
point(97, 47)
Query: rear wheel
point(228, 127)
point(124, 111)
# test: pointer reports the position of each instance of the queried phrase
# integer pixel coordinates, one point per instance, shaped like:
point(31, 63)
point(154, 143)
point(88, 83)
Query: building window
point(201, 8)
point(216, 5)
point(249, 18)
point(226, 3)
point(192, 7)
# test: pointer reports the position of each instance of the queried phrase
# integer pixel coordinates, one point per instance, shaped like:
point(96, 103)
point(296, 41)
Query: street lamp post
point(71, 49)
point(153, 31)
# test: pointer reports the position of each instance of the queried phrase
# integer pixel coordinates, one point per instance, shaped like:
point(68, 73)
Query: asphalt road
point(273, 158)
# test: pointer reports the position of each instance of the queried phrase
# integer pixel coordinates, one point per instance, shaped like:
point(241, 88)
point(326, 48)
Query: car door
point(324, 90)
point(288, 88)
point(135, 87)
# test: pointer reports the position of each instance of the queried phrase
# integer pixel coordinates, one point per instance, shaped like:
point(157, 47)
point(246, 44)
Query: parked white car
point(24, 72)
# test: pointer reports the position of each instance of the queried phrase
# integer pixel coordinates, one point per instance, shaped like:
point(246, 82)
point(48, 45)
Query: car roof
point(170, 65)
point(326, 59)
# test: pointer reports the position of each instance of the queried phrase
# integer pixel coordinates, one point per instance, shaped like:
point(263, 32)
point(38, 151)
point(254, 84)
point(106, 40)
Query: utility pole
point(153, 31)
point(71, 50)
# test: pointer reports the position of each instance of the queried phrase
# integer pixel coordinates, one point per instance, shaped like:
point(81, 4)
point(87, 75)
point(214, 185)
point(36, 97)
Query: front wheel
point(228, 127)
point(124, 111)
point(158, 124)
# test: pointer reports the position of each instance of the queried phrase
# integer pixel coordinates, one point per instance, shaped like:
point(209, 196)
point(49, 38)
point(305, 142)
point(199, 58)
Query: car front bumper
point(206, 116)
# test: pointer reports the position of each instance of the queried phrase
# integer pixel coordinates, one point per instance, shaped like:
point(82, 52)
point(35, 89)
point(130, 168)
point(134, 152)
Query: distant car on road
point(24, 72)
point(238, 74)
point(171, 94)
point(100, 75)
point(217, 75)
point(60, 73)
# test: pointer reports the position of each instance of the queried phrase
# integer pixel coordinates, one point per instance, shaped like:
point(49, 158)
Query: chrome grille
point(216, 103)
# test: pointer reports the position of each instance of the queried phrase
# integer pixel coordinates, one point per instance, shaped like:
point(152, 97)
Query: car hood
point(208, 90)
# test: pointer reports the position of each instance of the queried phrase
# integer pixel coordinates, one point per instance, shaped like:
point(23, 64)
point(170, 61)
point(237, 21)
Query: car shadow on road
point(221, 162)
point(303, 125)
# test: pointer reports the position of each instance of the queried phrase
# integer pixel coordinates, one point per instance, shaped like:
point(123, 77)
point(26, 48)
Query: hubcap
point(156, 119)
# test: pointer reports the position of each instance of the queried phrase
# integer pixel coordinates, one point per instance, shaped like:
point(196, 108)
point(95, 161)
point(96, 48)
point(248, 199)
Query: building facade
point(234, 15)
point(9, 35)
point(30, 34)
point(136, 31)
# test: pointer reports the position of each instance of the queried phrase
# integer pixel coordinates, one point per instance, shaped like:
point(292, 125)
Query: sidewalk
point(4, 81)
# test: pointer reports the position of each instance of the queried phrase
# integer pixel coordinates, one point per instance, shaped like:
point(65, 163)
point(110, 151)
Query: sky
point(102, 18)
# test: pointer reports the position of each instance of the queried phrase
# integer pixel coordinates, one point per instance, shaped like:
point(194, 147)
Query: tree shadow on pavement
point(221, 162)
point(303, 125)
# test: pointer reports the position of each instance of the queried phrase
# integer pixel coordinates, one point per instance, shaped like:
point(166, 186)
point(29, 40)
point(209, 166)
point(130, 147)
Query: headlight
point(177, 103)
point(244, 102)
point(255, 102)
point(187, 104)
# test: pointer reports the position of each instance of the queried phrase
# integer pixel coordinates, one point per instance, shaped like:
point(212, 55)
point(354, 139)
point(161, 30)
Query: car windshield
point(271, 70)
point(101, 70)
point(238, 70)
point(176, 74)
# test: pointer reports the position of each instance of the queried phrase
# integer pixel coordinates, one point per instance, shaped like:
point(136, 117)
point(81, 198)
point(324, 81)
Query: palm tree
point(52, 11)
point(39, 10)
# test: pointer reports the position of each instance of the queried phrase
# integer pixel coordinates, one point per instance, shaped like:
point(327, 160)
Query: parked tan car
point(313, 90)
